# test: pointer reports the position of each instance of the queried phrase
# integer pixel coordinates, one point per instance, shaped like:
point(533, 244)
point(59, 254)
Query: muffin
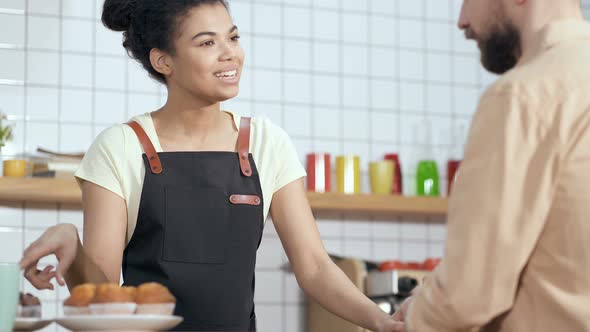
point(154, 299)
point(131, 291)
point(110, 299)
point(29, 306)
point(80, 298)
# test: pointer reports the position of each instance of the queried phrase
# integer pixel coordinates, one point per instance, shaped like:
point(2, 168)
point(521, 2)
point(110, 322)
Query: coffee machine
point(390, 285)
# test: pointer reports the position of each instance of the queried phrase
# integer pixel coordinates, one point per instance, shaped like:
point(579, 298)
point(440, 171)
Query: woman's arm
point(317, 275)
point(99, 259)
point(105, 227)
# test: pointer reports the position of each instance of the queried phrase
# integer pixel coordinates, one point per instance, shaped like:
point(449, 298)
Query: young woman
point(179, 195)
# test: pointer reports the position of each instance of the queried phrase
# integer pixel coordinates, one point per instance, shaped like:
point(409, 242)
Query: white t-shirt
point(114, 161)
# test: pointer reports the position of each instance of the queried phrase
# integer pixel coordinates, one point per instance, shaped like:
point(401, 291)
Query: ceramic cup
point(9, 286)
point(381, 176)
point(348, 174)
point(318, 172)
point(15, 168)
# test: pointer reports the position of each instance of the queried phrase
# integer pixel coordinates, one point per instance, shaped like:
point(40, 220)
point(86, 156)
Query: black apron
point(199, 226)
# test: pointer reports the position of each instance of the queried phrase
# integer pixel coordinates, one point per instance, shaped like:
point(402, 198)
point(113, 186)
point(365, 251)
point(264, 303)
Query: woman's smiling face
point(208, 58)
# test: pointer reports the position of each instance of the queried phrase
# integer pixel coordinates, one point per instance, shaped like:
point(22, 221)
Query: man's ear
point(161, 62)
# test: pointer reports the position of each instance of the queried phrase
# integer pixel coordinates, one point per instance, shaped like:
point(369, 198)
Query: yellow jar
point(348, 174)
point(15, 168)
point(381, 176)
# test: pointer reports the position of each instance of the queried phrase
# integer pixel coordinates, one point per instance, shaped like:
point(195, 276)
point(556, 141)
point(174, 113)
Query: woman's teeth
point(231, 73)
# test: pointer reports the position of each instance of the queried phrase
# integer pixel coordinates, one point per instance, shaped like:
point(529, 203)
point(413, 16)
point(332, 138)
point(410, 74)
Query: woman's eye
point(207, 43)
point(235, 38)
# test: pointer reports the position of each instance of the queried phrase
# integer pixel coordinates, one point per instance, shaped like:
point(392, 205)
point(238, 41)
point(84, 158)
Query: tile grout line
point(340, 76)
point(328, 41)
point(283, 94)
point(253, 72)
point(473, 86)
point(370, 51)
point(290, 6)
point(312, 93)
point(60, 75)
point(399, 93)
point(93, 91)
point(25, 112)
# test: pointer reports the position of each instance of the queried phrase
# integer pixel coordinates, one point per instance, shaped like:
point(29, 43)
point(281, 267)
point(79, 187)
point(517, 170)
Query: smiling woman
point(179, 195)
point(180, 43)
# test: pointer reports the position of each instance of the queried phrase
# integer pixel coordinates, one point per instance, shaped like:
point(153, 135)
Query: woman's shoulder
point(117, 136)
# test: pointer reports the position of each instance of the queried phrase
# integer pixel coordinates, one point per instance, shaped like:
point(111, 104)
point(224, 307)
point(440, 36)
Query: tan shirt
point(518, 244)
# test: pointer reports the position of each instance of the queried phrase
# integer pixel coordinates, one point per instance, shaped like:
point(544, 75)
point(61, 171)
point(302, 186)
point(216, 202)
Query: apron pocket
point(197, 225)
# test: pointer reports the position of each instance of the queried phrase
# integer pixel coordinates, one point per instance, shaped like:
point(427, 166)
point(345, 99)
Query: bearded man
point(517, 254)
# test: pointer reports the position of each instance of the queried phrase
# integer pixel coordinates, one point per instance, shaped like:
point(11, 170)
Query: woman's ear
point(161, 62)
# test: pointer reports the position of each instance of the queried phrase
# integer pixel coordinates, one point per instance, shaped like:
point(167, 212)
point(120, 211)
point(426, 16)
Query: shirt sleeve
point(102, 163)
point(496, 214)
point(288, 166)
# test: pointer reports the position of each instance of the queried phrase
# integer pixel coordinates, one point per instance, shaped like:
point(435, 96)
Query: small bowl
point(156, 309)
point(127, 308)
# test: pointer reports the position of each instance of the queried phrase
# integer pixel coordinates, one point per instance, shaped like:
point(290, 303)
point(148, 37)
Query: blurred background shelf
point(66, 191)
point(40, 190)
point(378, 204)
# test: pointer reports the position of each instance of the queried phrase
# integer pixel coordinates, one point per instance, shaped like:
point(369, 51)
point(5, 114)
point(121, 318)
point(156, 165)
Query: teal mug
point(9, 286)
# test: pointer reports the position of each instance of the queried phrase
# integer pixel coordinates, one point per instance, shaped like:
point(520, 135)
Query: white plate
point(119, 322)
point(30, 324)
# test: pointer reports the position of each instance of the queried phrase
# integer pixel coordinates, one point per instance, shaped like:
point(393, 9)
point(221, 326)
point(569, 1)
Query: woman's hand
point(60, 240)
point(392, 325)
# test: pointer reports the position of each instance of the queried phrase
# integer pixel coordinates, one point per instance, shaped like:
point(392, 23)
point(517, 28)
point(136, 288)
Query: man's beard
point(500, 50)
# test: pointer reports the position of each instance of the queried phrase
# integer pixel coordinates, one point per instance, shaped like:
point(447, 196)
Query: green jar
point(427, 182)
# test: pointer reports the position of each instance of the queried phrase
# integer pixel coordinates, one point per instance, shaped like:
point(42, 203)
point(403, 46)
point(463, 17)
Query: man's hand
point(392, 325)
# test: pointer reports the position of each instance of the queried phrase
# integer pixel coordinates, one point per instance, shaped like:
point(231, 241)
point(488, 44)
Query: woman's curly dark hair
point(148, 24)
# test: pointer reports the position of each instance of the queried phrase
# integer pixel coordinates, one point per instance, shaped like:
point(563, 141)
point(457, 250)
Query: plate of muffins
point(28, 317)
point(148, 307)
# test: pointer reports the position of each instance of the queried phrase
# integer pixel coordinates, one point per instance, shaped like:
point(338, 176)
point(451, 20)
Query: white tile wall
point(43, 68)
point(76, 106)
point(41, 6)
point(78, 9)
point(341, 76)
point(384, 31)
point(384, 250)
point(77, 35)
point(42, 104)
point(15, 36)
point(109, 73)
point(13, 74)
point(13, 239)
point(43, 32)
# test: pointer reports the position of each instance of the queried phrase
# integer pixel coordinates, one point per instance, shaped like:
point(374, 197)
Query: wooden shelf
point(378, 204)
point(66, 191)
point(40, 190)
